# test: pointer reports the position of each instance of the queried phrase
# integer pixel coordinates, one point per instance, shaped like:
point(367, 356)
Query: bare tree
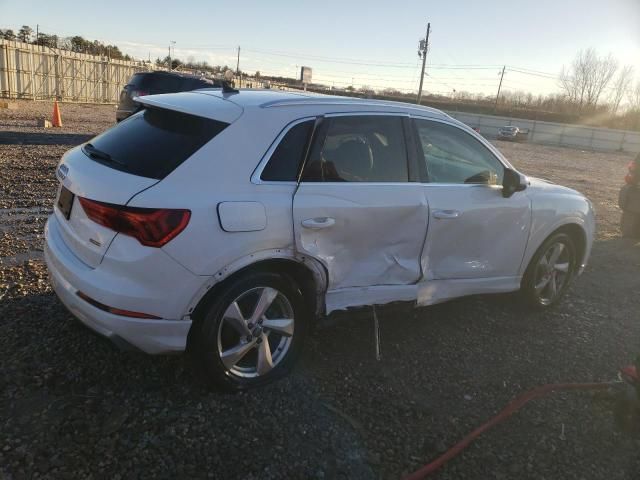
point(587, 77)
point(621, 87)
point(65, 43)
point(367, 90)
point(633, 96)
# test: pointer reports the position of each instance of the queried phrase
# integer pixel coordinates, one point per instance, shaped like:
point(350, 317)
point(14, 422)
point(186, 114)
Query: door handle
point(319, 222)
point(446, 214)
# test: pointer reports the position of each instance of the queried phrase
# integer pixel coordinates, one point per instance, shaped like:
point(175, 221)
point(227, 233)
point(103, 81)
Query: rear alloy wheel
point(255, 332)
point(550, 272)
point(252, 332)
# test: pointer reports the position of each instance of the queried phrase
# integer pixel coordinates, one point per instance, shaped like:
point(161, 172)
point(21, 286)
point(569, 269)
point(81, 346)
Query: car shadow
point(42, 138)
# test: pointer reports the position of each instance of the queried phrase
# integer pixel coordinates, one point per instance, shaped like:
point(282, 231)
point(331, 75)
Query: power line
point(530, 70)
point(543, 75)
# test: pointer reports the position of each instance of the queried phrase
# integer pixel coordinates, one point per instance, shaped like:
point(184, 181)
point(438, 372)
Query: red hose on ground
point(515, 405)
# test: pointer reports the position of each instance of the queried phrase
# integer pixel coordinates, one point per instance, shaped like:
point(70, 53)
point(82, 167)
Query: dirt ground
point(73, 406)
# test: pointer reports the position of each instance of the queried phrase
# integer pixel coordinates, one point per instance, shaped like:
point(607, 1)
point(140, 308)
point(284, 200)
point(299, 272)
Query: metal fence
point(561, 134)
point(37, 72)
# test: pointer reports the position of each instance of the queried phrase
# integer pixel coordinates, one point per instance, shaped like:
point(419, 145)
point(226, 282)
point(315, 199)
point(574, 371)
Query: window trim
point(257, 172)
point(324, 131)
point(423, 170)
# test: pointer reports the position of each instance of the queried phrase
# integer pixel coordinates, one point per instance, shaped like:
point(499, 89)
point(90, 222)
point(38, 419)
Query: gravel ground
point(73, 406)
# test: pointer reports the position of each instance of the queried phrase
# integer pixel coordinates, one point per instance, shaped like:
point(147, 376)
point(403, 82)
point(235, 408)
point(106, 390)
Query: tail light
point(152, 227)
point(138, 93)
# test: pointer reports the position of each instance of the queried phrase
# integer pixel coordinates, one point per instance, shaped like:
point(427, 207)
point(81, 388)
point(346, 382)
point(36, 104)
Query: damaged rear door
point(356, 208)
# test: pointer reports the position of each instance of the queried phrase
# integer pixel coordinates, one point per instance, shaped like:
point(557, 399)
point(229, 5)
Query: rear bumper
point(69, 275)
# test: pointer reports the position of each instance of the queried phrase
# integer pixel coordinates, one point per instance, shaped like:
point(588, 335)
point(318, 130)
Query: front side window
point(366, 148)
point(453, 156)
point(287, 157)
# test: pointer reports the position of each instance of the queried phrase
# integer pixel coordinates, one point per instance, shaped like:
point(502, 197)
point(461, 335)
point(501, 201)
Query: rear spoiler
point(195, 103)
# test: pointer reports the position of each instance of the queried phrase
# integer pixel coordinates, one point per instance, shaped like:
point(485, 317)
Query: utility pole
point(495, 107)
point(238, 69)
point(170, 64)
point(423, 47)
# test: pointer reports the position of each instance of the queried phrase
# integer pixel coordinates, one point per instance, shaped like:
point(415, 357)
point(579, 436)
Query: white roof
point(228, 107)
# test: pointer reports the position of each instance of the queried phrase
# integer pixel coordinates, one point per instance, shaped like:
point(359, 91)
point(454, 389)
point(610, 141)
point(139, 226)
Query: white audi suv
point(227, 222)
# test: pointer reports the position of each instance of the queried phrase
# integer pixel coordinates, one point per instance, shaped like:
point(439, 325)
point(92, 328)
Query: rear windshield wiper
point(100, 155)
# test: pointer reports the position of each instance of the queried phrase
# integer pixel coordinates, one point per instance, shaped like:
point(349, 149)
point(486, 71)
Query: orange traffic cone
point(57, 121)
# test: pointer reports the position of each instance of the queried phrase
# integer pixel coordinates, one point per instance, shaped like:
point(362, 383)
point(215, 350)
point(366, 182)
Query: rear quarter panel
point(221, 172)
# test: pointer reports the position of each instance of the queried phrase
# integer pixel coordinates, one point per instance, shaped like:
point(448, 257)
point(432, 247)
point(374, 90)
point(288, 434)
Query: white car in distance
point(228, 222)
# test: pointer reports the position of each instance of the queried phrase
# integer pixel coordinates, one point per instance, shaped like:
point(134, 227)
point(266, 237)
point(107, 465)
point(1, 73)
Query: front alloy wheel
point(550, 271)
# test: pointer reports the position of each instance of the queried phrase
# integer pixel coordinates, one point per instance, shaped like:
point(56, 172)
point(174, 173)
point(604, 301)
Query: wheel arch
point(579, 237)
point(576, 232)
point(308, 274)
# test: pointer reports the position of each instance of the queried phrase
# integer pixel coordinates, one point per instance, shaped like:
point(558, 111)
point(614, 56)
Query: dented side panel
point(363, 233)
point(475, 232)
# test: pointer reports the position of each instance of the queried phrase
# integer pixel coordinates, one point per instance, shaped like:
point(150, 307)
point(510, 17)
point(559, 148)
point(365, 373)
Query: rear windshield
point(157, 82)
point(153, 142)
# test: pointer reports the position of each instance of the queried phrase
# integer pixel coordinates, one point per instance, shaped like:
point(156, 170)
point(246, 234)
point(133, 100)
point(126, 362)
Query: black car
point(151, 83)
point(629, 201)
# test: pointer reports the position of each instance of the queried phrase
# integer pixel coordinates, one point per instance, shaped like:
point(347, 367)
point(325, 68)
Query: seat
point(351, 161)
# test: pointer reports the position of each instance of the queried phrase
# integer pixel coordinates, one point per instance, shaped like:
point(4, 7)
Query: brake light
point(152, 227)
point(139, 93)
point(115, 311)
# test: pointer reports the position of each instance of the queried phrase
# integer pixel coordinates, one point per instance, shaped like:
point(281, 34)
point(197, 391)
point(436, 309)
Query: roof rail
point(328, 100)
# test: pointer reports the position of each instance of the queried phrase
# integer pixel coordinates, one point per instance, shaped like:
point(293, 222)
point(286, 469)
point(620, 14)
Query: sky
point(359, 43)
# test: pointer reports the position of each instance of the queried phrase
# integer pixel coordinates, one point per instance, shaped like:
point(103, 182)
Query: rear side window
point(285, 161)
point(154, 142)
point(367, 148)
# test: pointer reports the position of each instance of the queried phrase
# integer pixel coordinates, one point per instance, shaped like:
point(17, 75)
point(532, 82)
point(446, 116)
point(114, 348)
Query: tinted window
point(154, 142)
point(285, 161)
point(157, 82)
point(360, 149)
point(196, 83)
point(453, 156)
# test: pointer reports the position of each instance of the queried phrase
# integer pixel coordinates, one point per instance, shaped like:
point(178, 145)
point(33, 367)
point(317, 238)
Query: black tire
point(206, 336)
point(630, 224)
point(532, 296)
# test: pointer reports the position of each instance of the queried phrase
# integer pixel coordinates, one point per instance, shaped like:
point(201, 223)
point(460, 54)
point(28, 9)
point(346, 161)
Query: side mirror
point(512, 182)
